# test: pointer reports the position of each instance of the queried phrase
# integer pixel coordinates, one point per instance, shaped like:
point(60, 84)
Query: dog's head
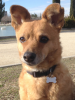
point(38, 40)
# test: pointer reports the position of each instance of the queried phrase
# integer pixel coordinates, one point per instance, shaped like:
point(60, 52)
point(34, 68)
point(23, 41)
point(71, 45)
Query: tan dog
point(43, 76)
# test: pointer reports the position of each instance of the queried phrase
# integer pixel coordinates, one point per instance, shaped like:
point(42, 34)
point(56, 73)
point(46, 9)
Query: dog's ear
point(19, 15)
point(54, 14)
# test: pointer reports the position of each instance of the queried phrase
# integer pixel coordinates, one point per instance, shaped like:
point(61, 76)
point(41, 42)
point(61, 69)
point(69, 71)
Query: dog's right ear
point(19, 15)
point(54, 14)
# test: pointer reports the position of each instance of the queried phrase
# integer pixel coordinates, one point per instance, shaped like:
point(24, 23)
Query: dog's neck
point(42, 73)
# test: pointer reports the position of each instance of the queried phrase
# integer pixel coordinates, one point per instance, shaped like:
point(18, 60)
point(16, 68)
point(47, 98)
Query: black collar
point(44, 73)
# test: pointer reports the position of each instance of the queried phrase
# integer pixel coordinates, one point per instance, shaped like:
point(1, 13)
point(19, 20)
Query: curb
point(10, 65)
point(21, 64)
point(68, 57)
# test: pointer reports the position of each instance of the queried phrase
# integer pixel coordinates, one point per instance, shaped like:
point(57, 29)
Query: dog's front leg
point(23, 94)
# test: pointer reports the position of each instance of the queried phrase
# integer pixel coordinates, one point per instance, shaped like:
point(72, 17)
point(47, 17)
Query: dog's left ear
point(54, 14)
point(19, 15)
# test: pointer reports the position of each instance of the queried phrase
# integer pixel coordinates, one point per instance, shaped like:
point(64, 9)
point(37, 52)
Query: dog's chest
point(38, 88)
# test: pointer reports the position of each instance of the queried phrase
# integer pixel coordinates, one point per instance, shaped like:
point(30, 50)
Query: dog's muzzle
point(29, 57)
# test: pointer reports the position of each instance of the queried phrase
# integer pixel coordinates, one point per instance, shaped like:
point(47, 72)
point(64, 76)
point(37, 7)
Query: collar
point(43, 73)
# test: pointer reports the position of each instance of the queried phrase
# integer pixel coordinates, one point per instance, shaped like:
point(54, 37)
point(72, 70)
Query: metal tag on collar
point(34, 75)
point(51, 79)
point(50, 72)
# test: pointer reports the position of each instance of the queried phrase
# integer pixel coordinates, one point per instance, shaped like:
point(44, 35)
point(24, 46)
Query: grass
point(7, 39)
point(9, 83)
point(9, 79)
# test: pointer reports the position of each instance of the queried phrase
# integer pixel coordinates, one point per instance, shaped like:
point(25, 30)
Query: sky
point(36, 6)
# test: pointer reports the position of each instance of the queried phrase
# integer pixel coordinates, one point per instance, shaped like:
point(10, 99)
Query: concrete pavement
point(9, 52)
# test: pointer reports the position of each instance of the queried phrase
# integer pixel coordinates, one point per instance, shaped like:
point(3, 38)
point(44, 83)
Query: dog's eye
point(22, 39)
point(44, 39)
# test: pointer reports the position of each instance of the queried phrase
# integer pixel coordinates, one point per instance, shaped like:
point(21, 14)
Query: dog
point(43, 76)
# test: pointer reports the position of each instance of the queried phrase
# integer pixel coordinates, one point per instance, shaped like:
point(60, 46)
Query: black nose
point(29, 56)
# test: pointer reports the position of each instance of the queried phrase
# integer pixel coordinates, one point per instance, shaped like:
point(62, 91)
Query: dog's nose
point(29, 56)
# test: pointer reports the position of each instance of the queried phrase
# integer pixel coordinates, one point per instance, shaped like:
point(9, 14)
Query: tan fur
point(49, 54)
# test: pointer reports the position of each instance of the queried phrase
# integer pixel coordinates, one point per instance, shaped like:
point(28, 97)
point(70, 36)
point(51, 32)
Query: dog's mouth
point(34, 62)
point(30, 64)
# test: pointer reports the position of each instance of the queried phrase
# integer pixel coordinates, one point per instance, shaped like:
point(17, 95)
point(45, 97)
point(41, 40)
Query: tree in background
point(72, 8)
point(2, 9)
point(56, 1)
point(40, 15)
point(34, 15)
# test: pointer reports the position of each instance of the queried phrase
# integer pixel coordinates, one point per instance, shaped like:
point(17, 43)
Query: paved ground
point(9, 52)
point(68, 43)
